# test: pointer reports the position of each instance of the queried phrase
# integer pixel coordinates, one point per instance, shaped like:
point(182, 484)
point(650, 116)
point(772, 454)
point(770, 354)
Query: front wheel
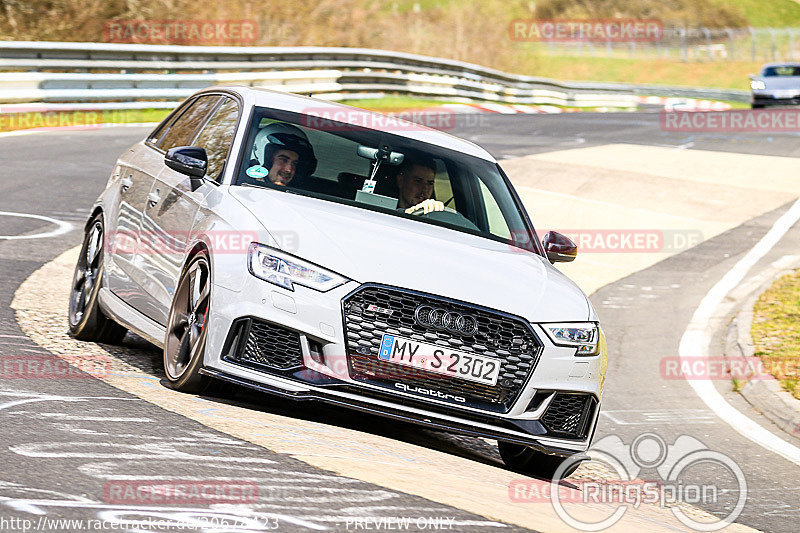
point(185, 342)
point(87, 322)
point(526, 460)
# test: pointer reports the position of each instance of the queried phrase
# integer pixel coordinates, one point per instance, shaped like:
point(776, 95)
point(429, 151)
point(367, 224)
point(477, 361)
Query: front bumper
point(766, 99)
point(296, 345)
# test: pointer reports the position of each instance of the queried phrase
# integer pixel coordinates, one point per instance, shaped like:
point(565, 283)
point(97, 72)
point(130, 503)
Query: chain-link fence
point(694, 44)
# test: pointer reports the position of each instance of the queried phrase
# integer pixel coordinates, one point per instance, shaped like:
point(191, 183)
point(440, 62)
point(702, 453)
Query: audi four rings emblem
point(453, 322)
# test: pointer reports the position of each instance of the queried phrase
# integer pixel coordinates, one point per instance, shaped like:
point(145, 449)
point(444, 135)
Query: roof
point(356, 116)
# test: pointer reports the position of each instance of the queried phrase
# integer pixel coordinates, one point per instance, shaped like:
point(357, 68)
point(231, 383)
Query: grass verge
point(722, 74)
point(776, 331)
point(25, 120)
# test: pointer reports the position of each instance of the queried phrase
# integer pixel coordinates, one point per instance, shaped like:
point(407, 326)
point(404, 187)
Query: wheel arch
point(97, 210)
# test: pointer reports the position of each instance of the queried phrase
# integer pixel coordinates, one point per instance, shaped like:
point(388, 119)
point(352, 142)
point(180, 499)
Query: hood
point(366, 246)
point(781, 82)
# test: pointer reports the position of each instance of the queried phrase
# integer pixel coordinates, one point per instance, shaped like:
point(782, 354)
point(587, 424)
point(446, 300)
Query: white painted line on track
point(63, 227)
point(697, 338)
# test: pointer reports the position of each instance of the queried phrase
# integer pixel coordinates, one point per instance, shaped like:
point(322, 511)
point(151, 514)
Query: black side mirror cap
point(559, 248)
point(189, 160)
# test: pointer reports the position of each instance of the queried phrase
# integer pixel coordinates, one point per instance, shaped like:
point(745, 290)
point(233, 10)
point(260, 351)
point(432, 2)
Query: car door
point(172, 205)
point(152, 241)
point(124, 223)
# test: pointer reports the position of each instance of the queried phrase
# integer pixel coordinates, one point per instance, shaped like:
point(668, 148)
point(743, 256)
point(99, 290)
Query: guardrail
point(148, 72)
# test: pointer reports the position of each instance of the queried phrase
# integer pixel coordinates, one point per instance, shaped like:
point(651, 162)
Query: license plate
point(439, 360)
point(784, 94)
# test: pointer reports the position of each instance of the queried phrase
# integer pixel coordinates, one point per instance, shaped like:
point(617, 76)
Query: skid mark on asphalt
point(284, 498)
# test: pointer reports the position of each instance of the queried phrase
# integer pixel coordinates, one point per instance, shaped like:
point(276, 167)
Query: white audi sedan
point(320, 252)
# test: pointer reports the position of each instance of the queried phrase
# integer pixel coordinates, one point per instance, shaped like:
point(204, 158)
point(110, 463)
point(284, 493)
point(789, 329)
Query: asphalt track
point(46, 455)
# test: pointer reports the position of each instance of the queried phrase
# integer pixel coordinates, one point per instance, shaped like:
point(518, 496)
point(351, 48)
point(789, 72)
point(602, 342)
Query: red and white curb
point(684, 104)
point(668, 104)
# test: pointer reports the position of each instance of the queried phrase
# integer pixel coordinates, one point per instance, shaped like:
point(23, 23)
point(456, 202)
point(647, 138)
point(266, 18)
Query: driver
point(415, 179)
point(284, 153)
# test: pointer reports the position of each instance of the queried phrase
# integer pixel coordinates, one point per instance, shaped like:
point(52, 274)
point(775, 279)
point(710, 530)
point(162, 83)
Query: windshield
point(380, 171)
point(782, 70)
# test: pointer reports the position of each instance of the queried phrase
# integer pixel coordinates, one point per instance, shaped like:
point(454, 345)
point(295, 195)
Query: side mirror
point(189, 160)
point(559, 248)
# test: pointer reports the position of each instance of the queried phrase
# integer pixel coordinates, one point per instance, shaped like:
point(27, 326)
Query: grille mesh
point(271, 346)
point(506, 338)
point(568, 415)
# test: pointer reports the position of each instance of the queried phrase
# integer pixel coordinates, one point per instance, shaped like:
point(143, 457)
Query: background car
point(776, 84)
point(260, 239)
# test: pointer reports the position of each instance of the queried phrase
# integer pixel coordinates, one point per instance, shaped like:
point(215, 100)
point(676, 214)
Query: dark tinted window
point(475, 195)
point(217, 135)
point(181, 132)
point(782, 70)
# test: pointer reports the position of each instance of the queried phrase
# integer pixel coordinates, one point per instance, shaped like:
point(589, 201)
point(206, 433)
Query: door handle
point(153, 198)
point(126, 183)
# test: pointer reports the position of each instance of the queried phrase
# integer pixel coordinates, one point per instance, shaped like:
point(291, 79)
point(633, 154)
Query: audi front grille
point(374, 310)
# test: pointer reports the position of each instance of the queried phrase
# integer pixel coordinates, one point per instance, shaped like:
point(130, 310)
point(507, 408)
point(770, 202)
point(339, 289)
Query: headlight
point(581, 335)
point(284, 270)
point(758, 85)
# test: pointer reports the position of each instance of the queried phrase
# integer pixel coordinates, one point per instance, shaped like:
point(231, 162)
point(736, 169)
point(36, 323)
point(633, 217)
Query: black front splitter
point(429, 421)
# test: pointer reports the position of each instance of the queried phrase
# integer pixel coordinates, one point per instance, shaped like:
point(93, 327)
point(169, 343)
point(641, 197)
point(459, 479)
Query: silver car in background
point(776, 84)
point(314, 283)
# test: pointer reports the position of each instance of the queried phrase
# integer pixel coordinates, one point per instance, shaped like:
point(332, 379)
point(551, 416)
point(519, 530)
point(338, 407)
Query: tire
point(757, 106)
point(87, 322)
point(525, 460)
point(185, 341)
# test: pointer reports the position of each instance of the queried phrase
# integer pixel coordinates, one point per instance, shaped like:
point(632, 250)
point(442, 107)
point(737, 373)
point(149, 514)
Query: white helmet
point(283, 136)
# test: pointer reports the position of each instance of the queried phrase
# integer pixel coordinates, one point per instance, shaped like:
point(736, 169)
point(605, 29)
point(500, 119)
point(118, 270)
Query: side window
point(497, 222)
point(217, 135)
point(182, 131)
point(162, 128)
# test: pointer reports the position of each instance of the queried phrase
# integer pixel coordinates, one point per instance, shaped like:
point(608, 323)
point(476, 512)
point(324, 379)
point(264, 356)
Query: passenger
point(415, 181)
point(285, 153)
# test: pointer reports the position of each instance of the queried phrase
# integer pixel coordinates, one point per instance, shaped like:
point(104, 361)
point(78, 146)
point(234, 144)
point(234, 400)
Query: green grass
point(772, 13)
point(86, 118)
point(776, 331)
point(727, 75)
point(128, 116)
point(391, 103)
